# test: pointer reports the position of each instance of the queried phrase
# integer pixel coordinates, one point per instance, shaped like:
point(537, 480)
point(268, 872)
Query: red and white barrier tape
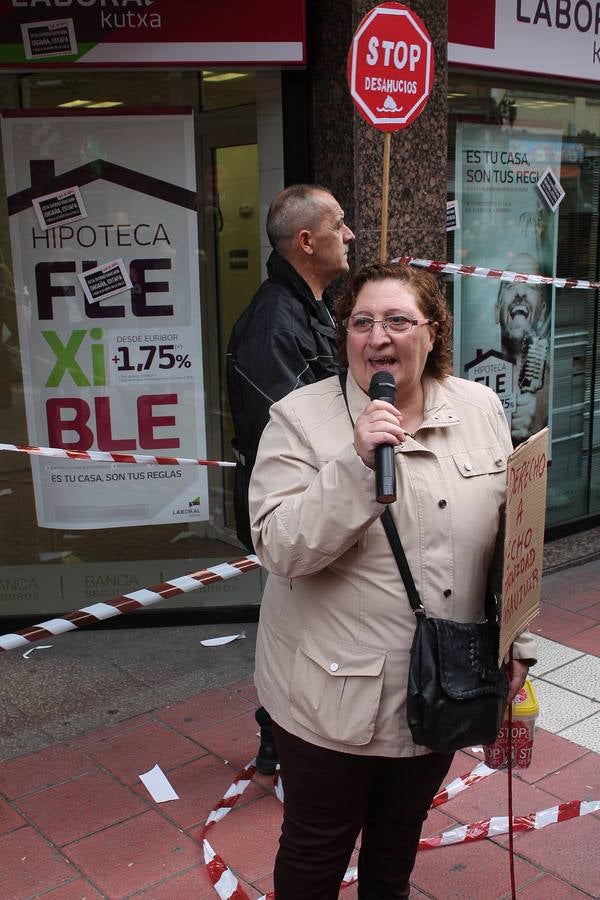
point(228, 887)
point(440, 267)
point(97, 612)
point(461, 783)
point(467, 834)
point(446, 268)
point(103, 456)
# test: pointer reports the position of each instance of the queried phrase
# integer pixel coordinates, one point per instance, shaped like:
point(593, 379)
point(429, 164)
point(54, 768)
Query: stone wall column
point(348, 153)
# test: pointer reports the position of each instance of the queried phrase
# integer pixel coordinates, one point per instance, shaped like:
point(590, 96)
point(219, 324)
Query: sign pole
point(387, 140)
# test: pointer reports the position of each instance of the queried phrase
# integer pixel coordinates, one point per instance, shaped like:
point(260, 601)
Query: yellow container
point(525, 705)
point(525, 710)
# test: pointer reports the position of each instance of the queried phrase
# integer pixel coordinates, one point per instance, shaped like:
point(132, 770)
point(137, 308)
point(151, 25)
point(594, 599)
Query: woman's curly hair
point(430, 301)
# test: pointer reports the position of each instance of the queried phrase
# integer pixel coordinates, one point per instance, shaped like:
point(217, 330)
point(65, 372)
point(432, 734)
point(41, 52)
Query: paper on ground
point(226, 639)
point(27, 653)
point(158, 785)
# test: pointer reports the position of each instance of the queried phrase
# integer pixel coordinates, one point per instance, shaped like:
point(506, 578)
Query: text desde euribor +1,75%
point(146, 357)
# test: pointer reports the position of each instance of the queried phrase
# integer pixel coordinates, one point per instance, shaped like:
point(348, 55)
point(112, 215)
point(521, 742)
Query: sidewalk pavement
point(76, 822)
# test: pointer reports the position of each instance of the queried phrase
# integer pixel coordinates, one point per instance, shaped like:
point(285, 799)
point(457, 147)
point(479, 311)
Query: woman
point(336, 626)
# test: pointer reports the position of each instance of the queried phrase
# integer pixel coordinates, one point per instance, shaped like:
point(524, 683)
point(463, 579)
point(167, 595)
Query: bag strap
point(392, 535)
point(401, 561)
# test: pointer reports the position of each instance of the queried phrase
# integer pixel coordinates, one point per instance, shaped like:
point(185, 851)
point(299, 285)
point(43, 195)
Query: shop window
point(53, 568)
point(500, 132)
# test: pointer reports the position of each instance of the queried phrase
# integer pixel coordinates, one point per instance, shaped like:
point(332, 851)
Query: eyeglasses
point(396, 324)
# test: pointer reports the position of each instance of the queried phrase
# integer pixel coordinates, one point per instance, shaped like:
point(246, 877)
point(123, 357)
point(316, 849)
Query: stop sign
point(390, 67)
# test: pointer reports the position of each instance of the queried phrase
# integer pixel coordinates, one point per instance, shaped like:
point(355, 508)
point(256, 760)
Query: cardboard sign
point(524, 538)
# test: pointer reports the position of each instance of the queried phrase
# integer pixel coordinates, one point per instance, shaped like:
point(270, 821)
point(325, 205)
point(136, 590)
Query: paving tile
point(559, 707)
point(592, 612)
point(551, 752)
point(193, 883)
point(79, 807)
point(582, 676)
point(554, 584)
point(110, 731)
point(131, 753)
point(478, 870)
point(586, 733)
point(204, 709)
point(234, 740)
point(35, 771)
point(436, 822)
point(573, 598)
point(585, 577)
point(580, 780)
point(142, 852)
point(567, 849)
point(246, 689)
point(264, 885)
point(588, 641)
point(247, 838)
point(551, 655)
point(490, 798)
point(9, 818)
point(200, 784)
point(550, 888)
point(559, 624)
point(76, 890)
point(29, 865)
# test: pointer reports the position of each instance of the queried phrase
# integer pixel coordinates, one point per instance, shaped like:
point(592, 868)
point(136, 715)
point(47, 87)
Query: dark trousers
point(329, 797)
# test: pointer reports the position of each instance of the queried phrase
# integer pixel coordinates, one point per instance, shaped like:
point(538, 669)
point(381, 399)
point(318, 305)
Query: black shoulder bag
point(456, 690)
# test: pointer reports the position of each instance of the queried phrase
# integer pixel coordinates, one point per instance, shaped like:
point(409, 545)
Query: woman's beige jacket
point(335, 625)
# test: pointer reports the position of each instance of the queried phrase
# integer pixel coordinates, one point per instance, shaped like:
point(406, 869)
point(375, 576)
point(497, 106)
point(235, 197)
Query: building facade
point(141, 145)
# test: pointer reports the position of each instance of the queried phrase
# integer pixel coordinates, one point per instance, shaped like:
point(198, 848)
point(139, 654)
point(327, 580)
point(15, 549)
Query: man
point(524, 318)
point(283, 340)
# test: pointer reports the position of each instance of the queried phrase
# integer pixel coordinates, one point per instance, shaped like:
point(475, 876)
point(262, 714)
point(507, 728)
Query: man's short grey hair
point(294, 208)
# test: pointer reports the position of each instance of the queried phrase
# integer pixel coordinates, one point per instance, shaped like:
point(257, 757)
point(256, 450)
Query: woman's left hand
point(517, 673)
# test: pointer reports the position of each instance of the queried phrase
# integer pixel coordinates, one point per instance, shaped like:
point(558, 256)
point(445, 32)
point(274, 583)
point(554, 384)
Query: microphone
point(383, 387)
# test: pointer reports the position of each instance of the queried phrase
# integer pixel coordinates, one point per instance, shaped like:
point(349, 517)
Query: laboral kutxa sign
point(558, 37)
point(68, 33)
point(390, 67)
point(104, 240)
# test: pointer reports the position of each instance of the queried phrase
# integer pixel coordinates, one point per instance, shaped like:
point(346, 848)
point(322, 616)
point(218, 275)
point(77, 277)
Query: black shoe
point(266, 758)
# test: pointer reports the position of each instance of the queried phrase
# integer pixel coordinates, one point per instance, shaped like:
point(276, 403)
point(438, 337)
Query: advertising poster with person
point(104, 242)
point(504, 330)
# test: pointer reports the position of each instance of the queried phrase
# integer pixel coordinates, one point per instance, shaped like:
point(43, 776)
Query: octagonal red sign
point(390, 66)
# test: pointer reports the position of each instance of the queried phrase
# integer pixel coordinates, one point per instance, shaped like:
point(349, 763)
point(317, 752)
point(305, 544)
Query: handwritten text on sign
point(524, 541)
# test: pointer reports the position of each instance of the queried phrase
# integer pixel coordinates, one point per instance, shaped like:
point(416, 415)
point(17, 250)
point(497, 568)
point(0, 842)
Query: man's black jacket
point(283, 340)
